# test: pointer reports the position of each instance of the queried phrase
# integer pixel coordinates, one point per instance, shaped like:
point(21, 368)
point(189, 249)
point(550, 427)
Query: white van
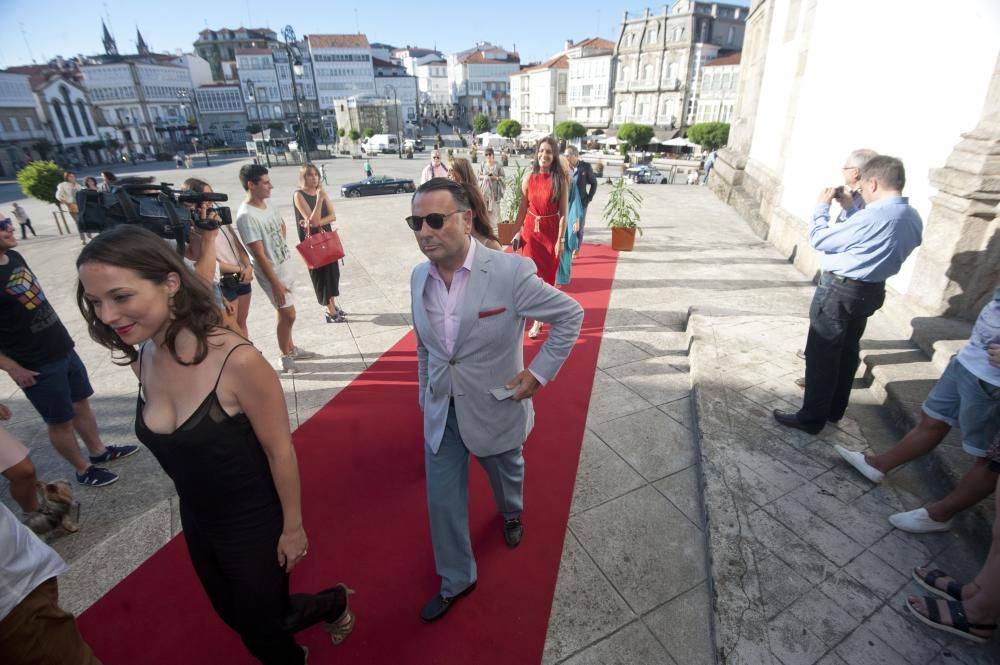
point(387, 143)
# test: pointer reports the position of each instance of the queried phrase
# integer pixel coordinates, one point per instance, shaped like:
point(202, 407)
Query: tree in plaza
point(509, 129)
point(709, 135)
point(275, 125)
point(369, 132)
point(567, 130)
point(480, 123)
point(354, 135)
point(341, 132)
point(635, 135)
point(253, 129)
point(39, 180)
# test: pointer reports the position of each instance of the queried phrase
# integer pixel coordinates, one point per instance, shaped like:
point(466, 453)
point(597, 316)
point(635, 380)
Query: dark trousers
point(837, 319)
point(25, 227)
point(237, 563)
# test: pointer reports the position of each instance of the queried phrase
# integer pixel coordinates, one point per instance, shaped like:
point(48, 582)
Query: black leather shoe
point(439, 605)
point(512, 532)
point(792, 420)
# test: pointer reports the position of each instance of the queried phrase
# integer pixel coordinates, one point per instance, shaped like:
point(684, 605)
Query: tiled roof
point(337, 41)
point(558, 62)
point(733, 59)
point(478, 58)
point(594, 42)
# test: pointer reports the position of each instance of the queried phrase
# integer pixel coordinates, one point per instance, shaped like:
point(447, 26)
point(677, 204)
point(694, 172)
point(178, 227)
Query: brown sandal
point(342, 627)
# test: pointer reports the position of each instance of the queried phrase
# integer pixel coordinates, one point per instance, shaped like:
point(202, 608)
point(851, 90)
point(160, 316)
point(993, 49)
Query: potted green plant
point(510, 204)
point(473, 154)
point(621, 214)
point(599, 168)
point(451, 153)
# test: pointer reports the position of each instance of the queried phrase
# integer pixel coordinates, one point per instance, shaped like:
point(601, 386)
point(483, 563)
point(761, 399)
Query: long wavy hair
point(134, 248)
point(560, 178)
point(466, 195)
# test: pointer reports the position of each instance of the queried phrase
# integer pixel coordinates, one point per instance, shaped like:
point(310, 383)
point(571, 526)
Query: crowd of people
point(212, 411)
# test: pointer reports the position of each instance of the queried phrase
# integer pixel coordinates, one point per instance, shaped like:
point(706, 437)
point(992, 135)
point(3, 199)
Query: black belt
point(837, 279)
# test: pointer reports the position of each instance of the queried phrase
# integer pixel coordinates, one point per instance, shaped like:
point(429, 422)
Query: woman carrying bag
point(314, 214)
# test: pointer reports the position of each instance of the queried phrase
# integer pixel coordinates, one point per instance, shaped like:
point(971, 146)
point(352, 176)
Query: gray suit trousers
point(448, 502)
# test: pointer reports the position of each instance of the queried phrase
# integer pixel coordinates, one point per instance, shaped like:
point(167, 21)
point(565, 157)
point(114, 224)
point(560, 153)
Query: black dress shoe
point(512, 532)
point(439, 605)
point(792, 420)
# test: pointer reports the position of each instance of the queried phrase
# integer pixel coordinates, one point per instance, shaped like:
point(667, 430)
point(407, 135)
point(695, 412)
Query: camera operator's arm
point(201, 248)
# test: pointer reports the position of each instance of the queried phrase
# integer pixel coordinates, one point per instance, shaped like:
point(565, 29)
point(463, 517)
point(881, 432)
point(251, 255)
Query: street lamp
point(395, 101)
point(296, 68)
point(185, 98)
point(252, 93)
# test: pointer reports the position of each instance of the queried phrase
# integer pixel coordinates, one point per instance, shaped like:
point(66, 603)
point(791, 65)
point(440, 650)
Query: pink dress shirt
point(444, 305)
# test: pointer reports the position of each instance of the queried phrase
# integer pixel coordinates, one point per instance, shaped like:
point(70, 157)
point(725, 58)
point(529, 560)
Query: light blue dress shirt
point(871, 244)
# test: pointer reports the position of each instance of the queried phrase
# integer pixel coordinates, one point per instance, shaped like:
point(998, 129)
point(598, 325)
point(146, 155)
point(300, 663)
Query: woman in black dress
point(314, 209)
point(213, 413)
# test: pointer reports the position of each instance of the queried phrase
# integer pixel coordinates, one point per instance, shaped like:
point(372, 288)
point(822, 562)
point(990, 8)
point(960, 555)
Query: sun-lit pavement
point(635, 584)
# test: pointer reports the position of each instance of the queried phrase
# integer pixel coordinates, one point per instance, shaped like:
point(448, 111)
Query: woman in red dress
point(541, 219)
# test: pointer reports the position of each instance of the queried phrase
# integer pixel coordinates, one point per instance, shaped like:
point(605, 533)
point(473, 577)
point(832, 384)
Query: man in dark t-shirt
point(37, 352)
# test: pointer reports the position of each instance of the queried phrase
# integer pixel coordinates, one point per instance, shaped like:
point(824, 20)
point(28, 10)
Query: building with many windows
point(590, 70)
point(20, 130)
point(343, 68)
point(392, 82)
point(222, 113)
point(658, 58)
point(715, 90)
point(431, 71)
point(479, 81)
point(219, 48)
point(266, 83)
point(538, 98)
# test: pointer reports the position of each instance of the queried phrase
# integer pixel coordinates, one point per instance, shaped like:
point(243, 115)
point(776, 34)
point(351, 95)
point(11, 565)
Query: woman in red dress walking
point(541, 219)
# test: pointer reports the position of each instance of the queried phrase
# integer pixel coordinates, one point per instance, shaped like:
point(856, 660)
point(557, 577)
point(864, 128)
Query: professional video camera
point(167, 212)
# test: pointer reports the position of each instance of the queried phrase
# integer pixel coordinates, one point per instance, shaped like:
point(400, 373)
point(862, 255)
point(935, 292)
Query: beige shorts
point(286, 273)
point(12, 451)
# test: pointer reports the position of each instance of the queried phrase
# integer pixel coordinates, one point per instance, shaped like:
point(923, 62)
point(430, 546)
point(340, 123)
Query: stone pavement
point(804, 567)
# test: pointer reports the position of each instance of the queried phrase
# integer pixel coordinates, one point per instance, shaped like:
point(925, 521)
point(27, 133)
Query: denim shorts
point(58, 386)
point(232, 295)
point(963, 400)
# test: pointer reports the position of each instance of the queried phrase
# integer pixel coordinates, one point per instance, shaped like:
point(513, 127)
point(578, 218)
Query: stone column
point(958, 266)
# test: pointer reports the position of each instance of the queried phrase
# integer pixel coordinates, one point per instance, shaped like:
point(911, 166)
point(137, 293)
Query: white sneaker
point(288, 364)
point(918, 521)
point(301, 354)
point(857, 460)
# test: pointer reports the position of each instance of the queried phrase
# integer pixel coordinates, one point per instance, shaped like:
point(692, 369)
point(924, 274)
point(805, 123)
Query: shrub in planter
point(599, 168)
point(451, 152)
point(510, 204)
point(621, 214)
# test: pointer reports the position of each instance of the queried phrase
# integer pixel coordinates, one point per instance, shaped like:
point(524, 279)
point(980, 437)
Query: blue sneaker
point(95, 476)
point(111, 453)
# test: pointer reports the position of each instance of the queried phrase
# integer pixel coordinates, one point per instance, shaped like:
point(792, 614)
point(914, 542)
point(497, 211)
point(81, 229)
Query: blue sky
point(60, 27)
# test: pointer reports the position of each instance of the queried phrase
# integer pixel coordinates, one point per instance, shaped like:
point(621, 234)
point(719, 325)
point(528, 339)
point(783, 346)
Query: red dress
point(541, 226)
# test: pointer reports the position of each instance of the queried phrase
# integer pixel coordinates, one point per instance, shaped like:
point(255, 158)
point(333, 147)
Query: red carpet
point(361, 459)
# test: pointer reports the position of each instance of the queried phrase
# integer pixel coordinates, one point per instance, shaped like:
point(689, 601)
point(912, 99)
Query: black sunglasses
point(435, 220)
point(7, 225)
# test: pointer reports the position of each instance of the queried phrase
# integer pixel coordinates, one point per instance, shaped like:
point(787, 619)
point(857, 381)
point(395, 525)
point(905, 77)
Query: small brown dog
point(57, 508)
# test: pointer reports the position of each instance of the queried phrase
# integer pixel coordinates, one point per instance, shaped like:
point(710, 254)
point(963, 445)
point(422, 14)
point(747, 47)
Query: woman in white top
point(66, 196)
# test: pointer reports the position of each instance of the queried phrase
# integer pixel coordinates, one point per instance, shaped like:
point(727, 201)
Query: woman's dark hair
point(462, 168)
point(467, 196)
point(90, 179)
point(66, 175)
point(134, 248)
point(195, 185)
point(108, 176)
point(559, 178)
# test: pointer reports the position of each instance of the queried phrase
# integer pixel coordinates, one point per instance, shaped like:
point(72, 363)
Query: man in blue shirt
point(858, 256)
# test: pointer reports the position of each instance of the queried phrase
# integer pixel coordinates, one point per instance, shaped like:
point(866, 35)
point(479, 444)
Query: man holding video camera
point(857, 257)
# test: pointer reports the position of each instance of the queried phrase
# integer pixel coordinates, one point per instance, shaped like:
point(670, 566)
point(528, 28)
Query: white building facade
point(222, 113)
point(20, 128)
point(538, 94)
point(393, 83)
point(266, 86)
point(479, 81)
point(715, 90)
point(70, 119)
point(658, 59)
point(589, 80)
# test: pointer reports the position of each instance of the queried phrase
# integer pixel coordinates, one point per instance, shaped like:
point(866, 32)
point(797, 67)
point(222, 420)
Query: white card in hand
point(503, 393)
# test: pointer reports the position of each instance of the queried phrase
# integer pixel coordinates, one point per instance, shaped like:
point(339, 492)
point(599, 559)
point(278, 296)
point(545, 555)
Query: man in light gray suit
point(469, 305)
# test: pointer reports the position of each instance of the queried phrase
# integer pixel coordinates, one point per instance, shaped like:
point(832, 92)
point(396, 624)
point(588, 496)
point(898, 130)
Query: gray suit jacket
point(502, 291)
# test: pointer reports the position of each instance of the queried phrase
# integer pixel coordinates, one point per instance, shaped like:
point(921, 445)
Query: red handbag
point(321, 248)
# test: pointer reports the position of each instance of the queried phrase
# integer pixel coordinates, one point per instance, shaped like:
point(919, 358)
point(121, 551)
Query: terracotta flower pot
point(622, 239)
point(505, 231)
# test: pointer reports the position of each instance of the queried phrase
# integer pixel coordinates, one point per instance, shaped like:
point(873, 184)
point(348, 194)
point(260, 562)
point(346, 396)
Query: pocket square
point(492, 312)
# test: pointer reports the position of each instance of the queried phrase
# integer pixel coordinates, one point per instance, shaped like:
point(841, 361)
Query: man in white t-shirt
point(33, 628)
point(263, 232)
